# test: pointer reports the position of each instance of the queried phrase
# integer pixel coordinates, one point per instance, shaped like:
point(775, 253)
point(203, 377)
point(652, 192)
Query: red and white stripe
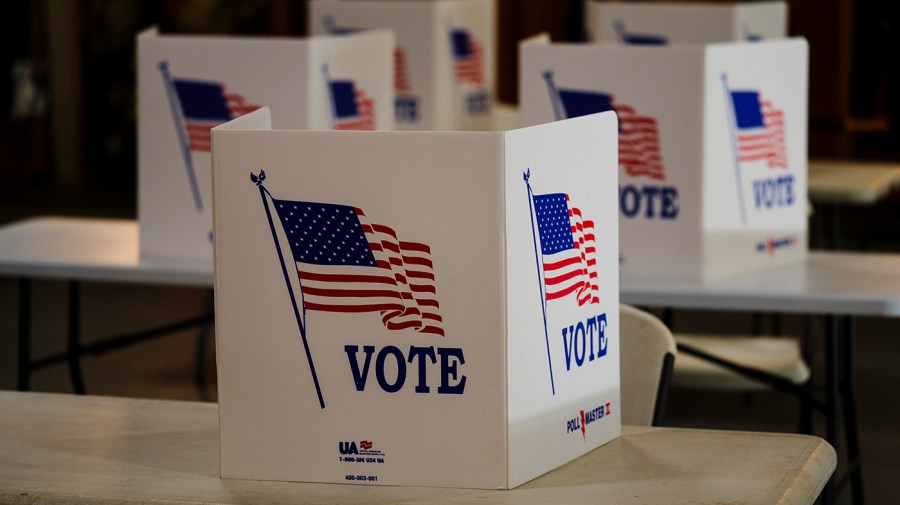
point(767, 143)
point(639, 145)
point(198, 132)
point(470, 69)
point(574, 271)
point(365, 119)
point(401, 287)
point(402, 84)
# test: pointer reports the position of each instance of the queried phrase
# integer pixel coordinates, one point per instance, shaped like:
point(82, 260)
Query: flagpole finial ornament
point(526, 174)
point(258, 179)
point(163, 65)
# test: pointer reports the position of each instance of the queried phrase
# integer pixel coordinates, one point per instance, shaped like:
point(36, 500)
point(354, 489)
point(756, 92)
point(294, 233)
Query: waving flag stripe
point(760, 129)
point(348, 265)
point(568, 249)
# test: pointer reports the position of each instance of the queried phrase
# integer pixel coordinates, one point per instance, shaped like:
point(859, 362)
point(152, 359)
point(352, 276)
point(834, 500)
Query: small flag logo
point(468, 57)
point(760, 129)
point(352, 108)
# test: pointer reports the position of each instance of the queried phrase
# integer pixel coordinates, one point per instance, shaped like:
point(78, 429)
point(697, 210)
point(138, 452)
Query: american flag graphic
point(205, 105)
point(760, 129)
point(639, 144)
point(352, 108)
point(347, 264)
point(568, 248)
point(468, 57)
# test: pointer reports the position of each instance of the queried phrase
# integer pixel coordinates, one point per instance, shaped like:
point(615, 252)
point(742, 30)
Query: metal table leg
point(74, 350)
point(854, 463)
point(24, 371)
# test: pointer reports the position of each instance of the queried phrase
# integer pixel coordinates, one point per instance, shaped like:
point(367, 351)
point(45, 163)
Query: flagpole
point(732, 135)
point(180, 128)
point(526, 176)
point(555, 99)
point(312, 368)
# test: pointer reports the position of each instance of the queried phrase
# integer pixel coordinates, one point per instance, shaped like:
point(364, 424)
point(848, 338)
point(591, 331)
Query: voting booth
point(415, 308)
point(443, 73)
point(666, 23)
point(189, 84)
point(712, 147)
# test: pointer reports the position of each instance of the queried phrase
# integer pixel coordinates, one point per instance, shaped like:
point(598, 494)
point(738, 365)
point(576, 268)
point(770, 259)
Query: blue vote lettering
point(655, 201)
point(451, 359)
point(774, 192)
point(406, 109)
point(585, 341)
point(478, 103)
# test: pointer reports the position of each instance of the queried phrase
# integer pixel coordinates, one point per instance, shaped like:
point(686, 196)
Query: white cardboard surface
point(649, 23)
point(430, 95)
point(681, 214)
point(288, 75)
point(491, 418)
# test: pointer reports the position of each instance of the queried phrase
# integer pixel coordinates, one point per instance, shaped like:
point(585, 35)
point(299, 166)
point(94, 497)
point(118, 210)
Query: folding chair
point(647, 358)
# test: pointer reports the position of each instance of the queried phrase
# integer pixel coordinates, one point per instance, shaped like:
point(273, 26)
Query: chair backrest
point(646, 359)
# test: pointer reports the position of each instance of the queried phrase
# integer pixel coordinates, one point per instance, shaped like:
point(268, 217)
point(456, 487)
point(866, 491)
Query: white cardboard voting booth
point(712, 147)
point(188, 84)
point(415, 308)
point(443, 59)
point(658, 23)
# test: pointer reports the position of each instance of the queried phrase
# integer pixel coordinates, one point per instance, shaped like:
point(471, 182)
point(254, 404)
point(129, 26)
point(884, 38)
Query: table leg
point(849, 394)
point(835, 225)
point(808, 352)
point(832, 398)
point(24, 371)
point(200, 354)
point(73, 351)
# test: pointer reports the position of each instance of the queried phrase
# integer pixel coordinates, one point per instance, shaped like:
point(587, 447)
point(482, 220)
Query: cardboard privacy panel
point(415, 308)
point(443, 72)
point(649, 23)
point(712, 147)
point(189, 84)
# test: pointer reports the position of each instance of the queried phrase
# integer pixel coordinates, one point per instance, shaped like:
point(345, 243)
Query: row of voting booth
point(440, 307)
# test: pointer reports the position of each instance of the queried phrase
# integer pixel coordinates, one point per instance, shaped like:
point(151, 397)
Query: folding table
point(839, 286)
point(85, 249)
point(86, 449)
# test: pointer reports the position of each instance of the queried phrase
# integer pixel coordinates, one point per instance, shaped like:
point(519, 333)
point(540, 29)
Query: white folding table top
point(90, 249)
point(108, 250)
point(856, 182)
point(826, 283)
point(66, 449)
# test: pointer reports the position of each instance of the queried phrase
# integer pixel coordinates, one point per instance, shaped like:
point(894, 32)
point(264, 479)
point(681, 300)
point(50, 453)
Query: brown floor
point(164, 368)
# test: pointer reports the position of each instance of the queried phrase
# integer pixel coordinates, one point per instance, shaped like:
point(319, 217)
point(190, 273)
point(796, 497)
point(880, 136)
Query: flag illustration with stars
point(205, 105)
point(348, 264)
point(568, 248)
point(468, 57)
point(760, 129)
point(353, 108)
